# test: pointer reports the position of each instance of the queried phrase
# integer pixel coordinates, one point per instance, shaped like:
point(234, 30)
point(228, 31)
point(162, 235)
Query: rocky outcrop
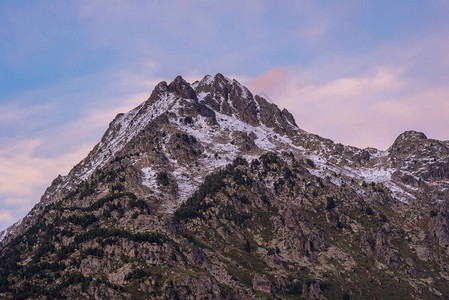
point(439, 228)
point(231, 98)
point(184, 148)
point(383, 250)
point(291, 218)
point(312, 291)
point(182, 89)
point(366, 244)
point(262, 284)
point(272, 117)
point(427, 159)
point(228, 97)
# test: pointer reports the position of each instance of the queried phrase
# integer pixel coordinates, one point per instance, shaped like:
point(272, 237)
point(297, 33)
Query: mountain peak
point(208, 177)
point(407, 141)
point(231, 98)
point(182, 88)
point(411, 135)
point(223, 79)
point(158, 90)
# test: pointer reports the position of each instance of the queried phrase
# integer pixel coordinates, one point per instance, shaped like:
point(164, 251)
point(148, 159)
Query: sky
point(357, 72)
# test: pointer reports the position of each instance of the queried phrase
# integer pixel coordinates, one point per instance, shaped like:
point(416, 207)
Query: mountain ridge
point(188, 143)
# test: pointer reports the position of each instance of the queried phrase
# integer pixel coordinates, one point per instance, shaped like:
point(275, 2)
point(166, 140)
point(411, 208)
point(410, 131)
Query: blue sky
point(358, 72)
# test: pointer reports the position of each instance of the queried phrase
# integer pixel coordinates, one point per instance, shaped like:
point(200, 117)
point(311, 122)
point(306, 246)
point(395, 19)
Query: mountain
point(206, 191)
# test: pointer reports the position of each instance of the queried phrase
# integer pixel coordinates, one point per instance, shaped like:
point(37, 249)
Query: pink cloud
point(30, 164)
point(366, 110)
point(5, 216)
point(23, 173)
point(269, 82)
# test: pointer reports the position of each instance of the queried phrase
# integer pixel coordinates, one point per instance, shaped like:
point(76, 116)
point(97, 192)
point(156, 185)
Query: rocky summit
point(207, 191)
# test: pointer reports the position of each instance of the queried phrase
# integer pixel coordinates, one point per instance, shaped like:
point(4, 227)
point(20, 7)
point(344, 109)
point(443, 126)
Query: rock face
point(315, 291)
point(206, 191)
point(291, 219)
point(439, 228)
point(261, 283)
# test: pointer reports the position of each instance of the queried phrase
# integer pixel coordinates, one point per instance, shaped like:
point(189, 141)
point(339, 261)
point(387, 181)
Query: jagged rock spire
point(231, 98)
point(182, 88)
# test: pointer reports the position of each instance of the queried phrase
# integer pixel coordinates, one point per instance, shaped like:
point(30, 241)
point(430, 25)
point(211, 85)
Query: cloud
point(5, 217)
point(368, 99)
point(269, 81)
point(22, 172)
point(366, 110)
point(13, 113)
point(24, 176)
point(37, 153)
point(29, 166)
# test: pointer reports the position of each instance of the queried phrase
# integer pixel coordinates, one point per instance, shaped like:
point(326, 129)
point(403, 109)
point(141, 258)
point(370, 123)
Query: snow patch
point(149, 177)
point(127, 126)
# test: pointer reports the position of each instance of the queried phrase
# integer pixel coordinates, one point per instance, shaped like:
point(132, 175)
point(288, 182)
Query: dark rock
point(181, 88)
point(439, 228)
point(290, 217)
point(305, 291)
point(261, 283)
point(289, 116)
point(159, 90)
point(384, 251)
point(172, 227)
point(409, 271)
point(365, 244)
point(315, 291)
point(270, 115)
point(184, 148)
point(281, 282)
point(312, 291)
point(244, 141)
